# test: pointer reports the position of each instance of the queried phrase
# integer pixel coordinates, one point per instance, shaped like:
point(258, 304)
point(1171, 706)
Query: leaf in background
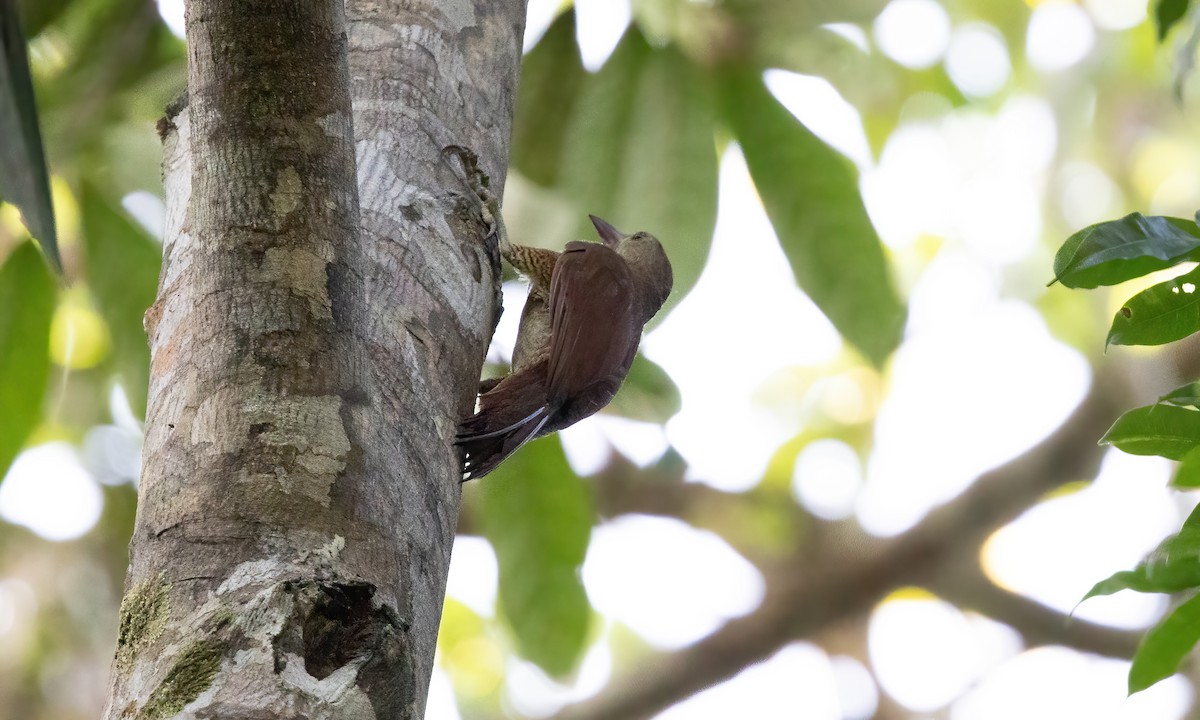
point(1167, 13)
point(1160, 314)
point(37, 14)
point(648, 393)
point(27, 295)
point(24, 180)
point(1187, 475)
point(1165, 430)
point(593, 151)
point(640, 153)
point(538, 516)
point(1184, 396)
point(122, 270)
point(472, 659)
point(98, 109)
point(1118, 250)
point(668, 184)
point(811, 195)
point(1165, 645)
point(551, 75)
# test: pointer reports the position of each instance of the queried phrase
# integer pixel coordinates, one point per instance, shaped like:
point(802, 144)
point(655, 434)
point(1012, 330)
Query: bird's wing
point(593, 333)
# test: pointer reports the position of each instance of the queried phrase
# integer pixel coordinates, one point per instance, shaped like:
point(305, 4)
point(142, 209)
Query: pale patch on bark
point(459, 12)
point(228, 422)
point(287, 194)
point(339, 689)
point(327, 553)
point(177, 189)
point(334, 125)
point(253, 572)
point(302, 272)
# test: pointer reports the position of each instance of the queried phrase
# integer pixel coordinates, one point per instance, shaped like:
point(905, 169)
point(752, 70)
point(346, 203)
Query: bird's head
point(646, 259)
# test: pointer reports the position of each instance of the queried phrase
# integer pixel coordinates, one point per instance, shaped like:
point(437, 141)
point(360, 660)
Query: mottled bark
point(310, 362)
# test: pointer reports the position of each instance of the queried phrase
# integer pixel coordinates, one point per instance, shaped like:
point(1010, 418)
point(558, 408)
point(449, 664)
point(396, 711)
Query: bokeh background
point(755, 453)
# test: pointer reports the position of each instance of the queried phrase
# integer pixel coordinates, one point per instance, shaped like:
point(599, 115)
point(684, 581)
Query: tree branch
point(970, 589)
point(850, 572)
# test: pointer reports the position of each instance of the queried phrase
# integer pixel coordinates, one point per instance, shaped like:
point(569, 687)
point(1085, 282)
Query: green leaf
point(594, 150)
point(1165, 645)
point(538, 516)
point(1118, 250)
point(1123, 580)
point(1173, 566)
point(1187, 475)
point(1184, 396)
point(648, 393)
point(669, 181)
point(811, 195)
point(123, 264)
point(27, 297)
point(24, 180)
point(1165, 430)
point(551, 76)
point(1167, 13)
point(37, 14)
point(640, 153)
point(1162, 313)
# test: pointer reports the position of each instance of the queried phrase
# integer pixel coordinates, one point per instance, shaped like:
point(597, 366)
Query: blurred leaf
point(1159, 314)
point(648, 393)
point(123, 264)
point(1165, 645)
point(596, 135)
point(1187, 475)
point(811, 195)
point(789, 13)
point(79, 336)
point(37, 14)
point(124, 65)
point(668, 184)
point(1165, 430)
point(1167, 13)
point(27, 295)
point(24, 180)
point(1185, 61)
point(1184, 396)
point(640, 153)
point(538, 516)
point(472, 658)
point(551, 75)
point(1118, 250)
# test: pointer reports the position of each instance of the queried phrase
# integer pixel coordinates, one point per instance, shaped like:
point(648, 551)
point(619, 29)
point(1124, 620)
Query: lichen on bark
point(144, 611)
point(192, 673)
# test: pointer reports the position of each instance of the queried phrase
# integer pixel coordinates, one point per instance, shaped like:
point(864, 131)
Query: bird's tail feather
point(510, 414)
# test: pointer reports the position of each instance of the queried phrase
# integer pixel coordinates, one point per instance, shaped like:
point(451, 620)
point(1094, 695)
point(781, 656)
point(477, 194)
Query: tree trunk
point(299, 493)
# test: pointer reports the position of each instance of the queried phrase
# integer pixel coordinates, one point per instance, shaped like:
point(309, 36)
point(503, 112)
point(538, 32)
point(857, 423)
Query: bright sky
point(672, 584)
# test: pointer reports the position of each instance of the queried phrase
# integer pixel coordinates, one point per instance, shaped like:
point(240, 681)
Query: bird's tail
point(510, 415)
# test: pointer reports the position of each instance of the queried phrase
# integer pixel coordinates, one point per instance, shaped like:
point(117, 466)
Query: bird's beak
point(609, 234)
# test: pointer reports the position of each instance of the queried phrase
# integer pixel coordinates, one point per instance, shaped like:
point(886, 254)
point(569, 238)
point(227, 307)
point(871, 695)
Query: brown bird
point(578, 336)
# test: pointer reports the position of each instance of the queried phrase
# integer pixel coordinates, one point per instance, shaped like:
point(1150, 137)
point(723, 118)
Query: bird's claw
point(475, 180)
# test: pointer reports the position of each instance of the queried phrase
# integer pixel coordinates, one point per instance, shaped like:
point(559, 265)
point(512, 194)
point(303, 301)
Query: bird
point(579, 332)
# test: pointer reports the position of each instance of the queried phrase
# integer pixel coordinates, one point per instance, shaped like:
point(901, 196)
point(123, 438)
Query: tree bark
point(310, 362)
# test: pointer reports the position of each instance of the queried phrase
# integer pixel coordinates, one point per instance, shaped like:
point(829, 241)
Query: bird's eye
point(638, 235)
